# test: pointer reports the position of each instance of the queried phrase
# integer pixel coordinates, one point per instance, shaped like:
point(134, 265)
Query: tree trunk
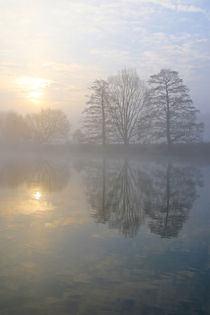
point(168, 132)
point(103, 120)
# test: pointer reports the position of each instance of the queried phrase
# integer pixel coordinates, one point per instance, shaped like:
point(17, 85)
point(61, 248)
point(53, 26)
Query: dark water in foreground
point(104, 237)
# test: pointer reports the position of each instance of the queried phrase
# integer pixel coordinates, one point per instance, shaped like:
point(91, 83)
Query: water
point(104, 236)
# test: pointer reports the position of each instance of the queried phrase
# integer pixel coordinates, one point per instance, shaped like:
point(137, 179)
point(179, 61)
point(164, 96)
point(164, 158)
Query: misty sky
point(51, 50)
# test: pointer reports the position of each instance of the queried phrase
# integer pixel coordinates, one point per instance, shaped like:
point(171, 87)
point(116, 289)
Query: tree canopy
point(171, 114)
point(125, 109)
point(95, 118)
point(44, 127)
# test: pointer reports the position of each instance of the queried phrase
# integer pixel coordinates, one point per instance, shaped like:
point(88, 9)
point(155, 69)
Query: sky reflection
point(63, 252)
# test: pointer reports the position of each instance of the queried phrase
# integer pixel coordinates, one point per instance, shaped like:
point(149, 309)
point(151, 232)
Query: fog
point(104, 157)
point(123, 109)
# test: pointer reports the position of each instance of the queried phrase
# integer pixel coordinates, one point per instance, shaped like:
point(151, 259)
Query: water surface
point(104, 236)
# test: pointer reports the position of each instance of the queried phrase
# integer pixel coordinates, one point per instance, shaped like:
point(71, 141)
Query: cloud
point(72, 43)
point(173, 5)
point(185, 52)
point(189, 8)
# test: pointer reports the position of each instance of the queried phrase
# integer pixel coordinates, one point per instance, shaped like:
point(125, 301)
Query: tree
point(127, 96)
point(13, 128)
point(95, 116)
point(48, 126)
point(171, 114)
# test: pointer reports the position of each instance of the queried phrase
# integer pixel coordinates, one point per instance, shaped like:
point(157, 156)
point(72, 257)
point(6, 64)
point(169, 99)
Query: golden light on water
point(37, 195)
point(33, 88)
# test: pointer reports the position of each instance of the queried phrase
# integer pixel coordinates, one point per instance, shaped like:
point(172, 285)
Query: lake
point(104, 236)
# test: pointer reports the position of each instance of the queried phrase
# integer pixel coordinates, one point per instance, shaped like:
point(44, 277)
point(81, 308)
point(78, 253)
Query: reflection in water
point(124, 194)
point(60, 262)
point(172, 194)
point(49, 176)
point(114, 196)
point(37, 195)
point(31, 183)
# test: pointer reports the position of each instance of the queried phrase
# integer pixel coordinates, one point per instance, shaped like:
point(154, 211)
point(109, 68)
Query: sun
point(33, 88)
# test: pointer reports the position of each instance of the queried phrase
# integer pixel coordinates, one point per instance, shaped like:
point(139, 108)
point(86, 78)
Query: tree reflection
point(172, 194)
point(123, 193)
point(113, 195)
point(96, 189)
point(50, 176)
point(125, 201)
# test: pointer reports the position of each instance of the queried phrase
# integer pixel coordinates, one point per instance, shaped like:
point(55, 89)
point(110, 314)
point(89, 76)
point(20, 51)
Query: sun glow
point(33, 88)
point(37, 195)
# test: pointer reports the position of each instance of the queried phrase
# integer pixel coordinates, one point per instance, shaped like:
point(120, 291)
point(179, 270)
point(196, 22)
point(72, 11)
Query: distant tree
point(127, 96)
point(48, 126)
point(13, 128)
point(170, 112)
point(2, 115)
point(95, 117)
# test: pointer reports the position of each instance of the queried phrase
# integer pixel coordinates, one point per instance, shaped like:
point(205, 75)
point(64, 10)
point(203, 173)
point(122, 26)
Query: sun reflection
point(33, 87)
point(37, 195)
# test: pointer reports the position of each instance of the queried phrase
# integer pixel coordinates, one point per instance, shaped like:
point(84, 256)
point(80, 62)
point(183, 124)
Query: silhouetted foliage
point(48, 126)
point(163, 113)
point(13, 128)
point(95, 120)
point(127, 97)
point(170, 112)
point(45, 127)
point(120, 110)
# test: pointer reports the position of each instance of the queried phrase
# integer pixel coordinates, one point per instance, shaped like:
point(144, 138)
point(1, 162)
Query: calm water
point(104, 237)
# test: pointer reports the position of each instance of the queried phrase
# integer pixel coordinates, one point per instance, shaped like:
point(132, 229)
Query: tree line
point(122, 109)
point(126, 109)
point(45, 127)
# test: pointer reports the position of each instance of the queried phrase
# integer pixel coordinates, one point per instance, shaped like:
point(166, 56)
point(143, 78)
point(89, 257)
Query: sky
point(52, 50)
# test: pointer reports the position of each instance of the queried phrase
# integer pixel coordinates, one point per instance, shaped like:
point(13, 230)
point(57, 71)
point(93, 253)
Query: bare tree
point(48, 126)
point(127, 95)
point(13, 128)
point(171, 114)
point(95, 117)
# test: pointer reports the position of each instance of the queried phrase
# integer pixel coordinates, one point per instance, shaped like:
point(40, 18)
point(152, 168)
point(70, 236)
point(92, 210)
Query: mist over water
point(104, 157)
point(104, 235)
